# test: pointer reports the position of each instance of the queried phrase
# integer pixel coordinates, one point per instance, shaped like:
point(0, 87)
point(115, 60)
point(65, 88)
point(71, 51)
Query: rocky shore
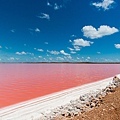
point(83, 104)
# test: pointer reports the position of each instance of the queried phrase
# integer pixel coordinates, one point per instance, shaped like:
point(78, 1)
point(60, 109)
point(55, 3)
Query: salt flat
point(33, 109)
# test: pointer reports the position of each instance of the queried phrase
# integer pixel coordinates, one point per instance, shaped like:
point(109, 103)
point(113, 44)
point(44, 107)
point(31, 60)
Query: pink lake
point(21, 82)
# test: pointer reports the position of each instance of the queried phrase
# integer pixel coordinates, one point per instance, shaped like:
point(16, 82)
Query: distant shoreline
point(59, 62)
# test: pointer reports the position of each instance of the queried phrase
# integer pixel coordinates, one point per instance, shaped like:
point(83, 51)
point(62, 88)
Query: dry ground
point(108, 110)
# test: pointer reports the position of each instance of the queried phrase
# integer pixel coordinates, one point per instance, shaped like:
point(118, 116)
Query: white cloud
point(73, 35)
point(69, 57)
point(105, 4)
point(21, 53)
point(98, 52)
point(51, 59)
point(60, 58)
point(73, 52)
point(88, 57)
point(12, 58)
point(47, 54)
point(56, 6)
point(117, 46)
point(37, 30)
point(70, 40)
point(53, 52)
point(71, 49)
point(78, 44)
point(64, 53)
point(40, 50)
point(48, 4)
point(81, 42)
point(77, 48)
point(0, 46)
point(44, 16)
point(40, 56)
point(30, 53)
point(34, 30)
point(103, 30)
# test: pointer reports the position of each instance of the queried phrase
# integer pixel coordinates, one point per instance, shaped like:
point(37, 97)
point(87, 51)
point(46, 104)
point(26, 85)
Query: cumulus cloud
point(49, 4)
point(64, 53)
point(98, 52)
point(73, 35)
point(71, 50)
point(57, 7)
point(12, 58)
point(37, 30)
point(21, 53)
point(44, 16)
point(78, 43)
point(60, 58)
point(117, 46)
point(105, 4)
point(81, 42)
point(53, 52)
point(103, 30)
point(40, 56)
point(70, 41)
point(30, 53)
point(69, 57)
point(40, 50)
point(77, 48)
point(88, 57)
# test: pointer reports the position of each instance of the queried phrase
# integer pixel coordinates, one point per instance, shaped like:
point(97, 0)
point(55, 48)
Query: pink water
point(21, 82)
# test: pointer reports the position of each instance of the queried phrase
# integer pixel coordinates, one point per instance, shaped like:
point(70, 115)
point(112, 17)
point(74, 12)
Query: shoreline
point(108, 108)
point(59, 62)
point(35, 108)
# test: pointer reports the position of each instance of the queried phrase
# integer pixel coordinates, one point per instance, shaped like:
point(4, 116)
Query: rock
point(92, 105)
point(116, 79)
point(76, 113)
point(63, 113)
point(78, 106)
point(88, 104)
point(81, 98)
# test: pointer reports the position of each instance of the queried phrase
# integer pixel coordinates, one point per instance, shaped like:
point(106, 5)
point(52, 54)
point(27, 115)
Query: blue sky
point(59, 30)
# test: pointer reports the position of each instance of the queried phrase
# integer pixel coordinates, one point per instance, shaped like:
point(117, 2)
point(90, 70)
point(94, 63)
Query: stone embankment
point(83, 104)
